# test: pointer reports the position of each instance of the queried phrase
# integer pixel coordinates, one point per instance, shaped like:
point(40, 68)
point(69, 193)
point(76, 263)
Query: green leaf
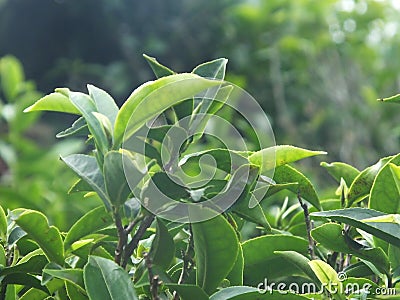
point(11, 293)
point(247, 205)
point(32, 265)
point(34, 294)
point(105, 104)
point(74, 276)
point(389, 232)
point(264, 191)
point(153, 97)
point(385, 192)
point(214, 260)
point(87, 168)
point(261, 262)
point(78, 127)
point(36, 225)
point(394, 99)
point(158, 69)
point(394, 256)
point(104, 279)
point(188, 291)
point(328, 277)
point(224, 159)
point(288, 174)
point(163, 248)
point(54, 102)
point(11, 76)
point(116, 183)
point(25, 280)
point(332, 237)
point(214, 69)
point(87, 107)
point(251, 293)
point(341, 170)
point(272, 157)
point(301, 262)
point(74, 292)
point(91, 222)
point(3, 225)
point(235, 276)
point(3, 257)
point(362, 184)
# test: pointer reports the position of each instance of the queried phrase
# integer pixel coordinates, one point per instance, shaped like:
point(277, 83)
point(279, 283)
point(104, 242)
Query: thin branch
point(154, 280)
point(309, 226)
point(133, 224)
point(187, 263)
point(135, 240)
point(122, 237)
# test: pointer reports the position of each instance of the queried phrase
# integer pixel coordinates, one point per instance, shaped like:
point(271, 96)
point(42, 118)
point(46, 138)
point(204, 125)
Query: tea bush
point(177, 199)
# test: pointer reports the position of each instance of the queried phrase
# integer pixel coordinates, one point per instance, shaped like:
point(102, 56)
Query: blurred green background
point(316, 67)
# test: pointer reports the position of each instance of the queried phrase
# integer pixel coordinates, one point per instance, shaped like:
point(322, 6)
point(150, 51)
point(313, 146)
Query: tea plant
point(176, 200)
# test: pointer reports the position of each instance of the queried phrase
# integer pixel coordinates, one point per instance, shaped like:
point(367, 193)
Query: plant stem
point(308, 226)
point(153, 279)
point(187, 263)
point(131, 246)
point(122, 237)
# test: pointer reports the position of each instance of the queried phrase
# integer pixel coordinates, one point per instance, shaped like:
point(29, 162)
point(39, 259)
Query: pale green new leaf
point(88, 107)
point(105, 104)
point(54, 102)
point(272, 157)
point(328, 276)
point(152, 98)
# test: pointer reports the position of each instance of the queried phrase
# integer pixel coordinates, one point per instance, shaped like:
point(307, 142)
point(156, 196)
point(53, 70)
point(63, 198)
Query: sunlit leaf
point(36, 225)
point(272, 157)
point(54, 102)
point(153, 97)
